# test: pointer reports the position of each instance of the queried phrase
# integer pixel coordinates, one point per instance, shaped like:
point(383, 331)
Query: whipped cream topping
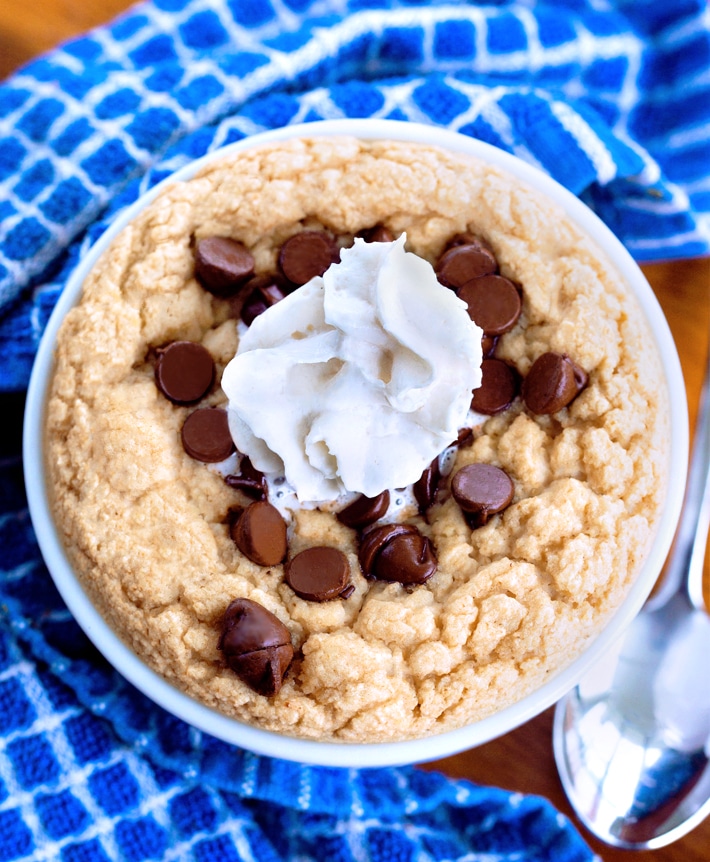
point(357, 380)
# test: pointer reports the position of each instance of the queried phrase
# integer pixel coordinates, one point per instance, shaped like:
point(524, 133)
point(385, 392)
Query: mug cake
point(356, 440)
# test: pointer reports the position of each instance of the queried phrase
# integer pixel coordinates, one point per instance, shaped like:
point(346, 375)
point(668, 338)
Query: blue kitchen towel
point(611, 98)
point(91, 771)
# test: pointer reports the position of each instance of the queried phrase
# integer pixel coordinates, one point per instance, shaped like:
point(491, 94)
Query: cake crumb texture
point(512, 602)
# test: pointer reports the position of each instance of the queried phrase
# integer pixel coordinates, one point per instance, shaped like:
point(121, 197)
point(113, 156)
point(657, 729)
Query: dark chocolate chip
point(407, 558)
point(468, 238)
point(248, 480)
point(222, 264)
point(205, 435)
point(481, 490)
point(262, 292)
point(249, 626)
point(374, 539)
point(464, 438)
point(397, 552)
point(426, 486)
point(184, 372)
point(499, 386)
point(257, 646)
point(318, 574)
point(493, 303)
point(364, 511)
point(461, 263)
point(260, 534)
point(378, 233)
point(553, 381)
point(307, 254)
point(252, 307)
point(263, 670)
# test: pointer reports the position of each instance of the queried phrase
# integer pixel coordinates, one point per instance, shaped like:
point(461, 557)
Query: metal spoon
point(632, 740)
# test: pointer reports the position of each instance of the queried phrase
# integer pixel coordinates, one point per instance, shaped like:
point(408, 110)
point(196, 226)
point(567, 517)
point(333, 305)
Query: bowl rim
point(346, 754)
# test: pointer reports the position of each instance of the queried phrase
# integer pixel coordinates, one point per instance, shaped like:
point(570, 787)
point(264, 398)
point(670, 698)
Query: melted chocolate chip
point(378, 233)
point(481, 490)
point(263, 670)
point(248, 480)
point(262, 292)
point(426, 486)
point(249, 626)
point(205, 435)
point(493, 303)
point(464, 261)
point(318, 574)
point(260, 534)
point(256, 645)
point(222, 264)
point(397, 552)
point(364, 511)
point(307, 254)
point(407, 558)
point(553, 381)
point(498, 389)
point(374, 539)
point(184, 371)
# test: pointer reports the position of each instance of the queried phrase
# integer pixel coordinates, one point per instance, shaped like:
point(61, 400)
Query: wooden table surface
point(521, 760)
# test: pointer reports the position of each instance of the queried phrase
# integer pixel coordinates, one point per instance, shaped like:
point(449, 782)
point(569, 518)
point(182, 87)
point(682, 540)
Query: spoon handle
point(684, 567)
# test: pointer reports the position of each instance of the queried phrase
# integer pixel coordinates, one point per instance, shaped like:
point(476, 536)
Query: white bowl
point(357, 754)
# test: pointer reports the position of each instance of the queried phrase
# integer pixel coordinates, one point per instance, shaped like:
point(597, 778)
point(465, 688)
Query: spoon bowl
point(633, 759)
point(632, 739)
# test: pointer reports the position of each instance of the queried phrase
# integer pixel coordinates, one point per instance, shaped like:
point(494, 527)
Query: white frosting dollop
point(356, 381)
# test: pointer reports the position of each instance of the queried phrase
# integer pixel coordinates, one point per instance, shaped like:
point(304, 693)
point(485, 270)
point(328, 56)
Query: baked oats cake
point(264, 568)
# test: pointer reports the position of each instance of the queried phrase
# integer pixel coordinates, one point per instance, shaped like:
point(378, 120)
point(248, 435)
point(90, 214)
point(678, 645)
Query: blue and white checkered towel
point(91, 771)
point(611, 98)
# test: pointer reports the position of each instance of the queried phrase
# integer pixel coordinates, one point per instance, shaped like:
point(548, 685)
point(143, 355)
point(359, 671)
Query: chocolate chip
point(222, 264)
point(307, 254)
point(184, 371)
point(260, 534)
point(262, 292)
point(249, 626)
point(318, 574)
point(205, 435)
point(552, 383)
point(407, 558)
point(378, 233)
point(364, 511)
point(249, 480)
point(481, 490)
point(426, 486)
point(397, 552)
point(499, 386)
point(488, 345)
point(464, 438)
point(493, 303)
point(257, 646)
point(468, 238)
point(464, 261)
point(374, 539)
